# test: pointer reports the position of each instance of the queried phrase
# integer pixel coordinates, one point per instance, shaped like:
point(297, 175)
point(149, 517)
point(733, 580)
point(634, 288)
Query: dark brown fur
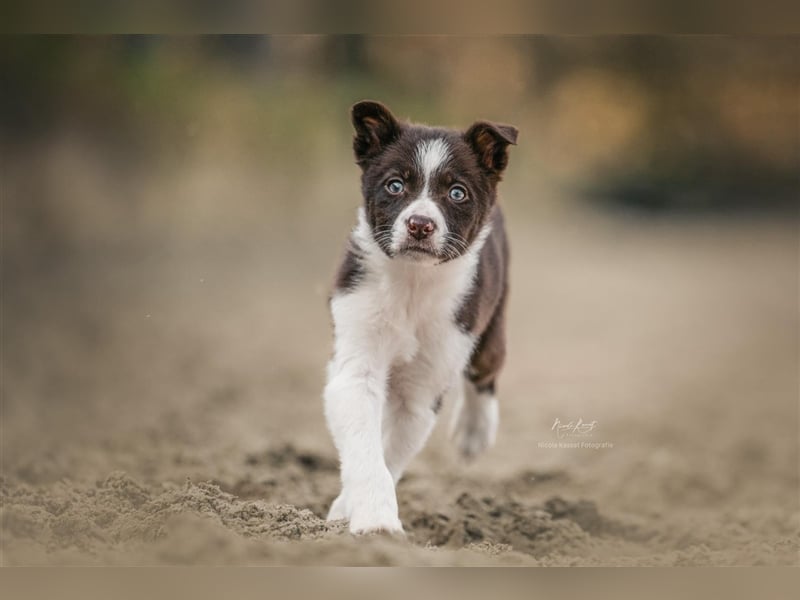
point(483, 311)
point(350, 272)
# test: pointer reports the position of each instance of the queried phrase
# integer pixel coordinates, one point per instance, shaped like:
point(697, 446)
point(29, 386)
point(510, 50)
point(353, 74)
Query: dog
point(418, 304)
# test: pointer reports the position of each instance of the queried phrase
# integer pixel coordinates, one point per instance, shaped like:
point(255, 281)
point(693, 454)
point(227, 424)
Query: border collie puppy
point(418, 304)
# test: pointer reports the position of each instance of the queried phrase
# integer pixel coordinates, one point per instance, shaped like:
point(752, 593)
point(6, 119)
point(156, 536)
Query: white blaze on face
point(430, 156)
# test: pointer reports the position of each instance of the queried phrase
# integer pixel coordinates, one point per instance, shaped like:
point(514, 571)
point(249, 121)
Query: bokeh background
point(173, 209)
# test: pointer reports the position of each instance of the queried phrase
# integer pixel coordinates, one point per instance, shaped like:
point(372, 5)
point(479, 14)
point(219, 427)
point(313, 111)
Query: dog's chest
point(415, 309)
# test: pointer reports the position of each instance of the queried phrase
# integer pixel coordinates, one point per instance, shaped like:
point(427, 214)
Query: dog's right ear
point(375, 127)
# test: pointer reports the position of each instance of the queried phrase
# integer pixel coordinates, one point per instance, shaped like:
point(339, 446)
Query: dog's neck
point(447, 280)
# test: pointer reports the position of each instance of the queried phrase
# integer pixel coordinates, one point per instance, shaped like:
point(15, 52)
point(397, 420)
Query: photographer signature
point(573, 428)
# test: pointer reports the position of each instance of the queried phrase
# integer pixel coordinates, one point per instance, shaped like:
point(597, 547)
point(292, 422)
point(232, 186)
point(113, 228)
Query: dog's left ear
point(375, 128)
point(490, 143)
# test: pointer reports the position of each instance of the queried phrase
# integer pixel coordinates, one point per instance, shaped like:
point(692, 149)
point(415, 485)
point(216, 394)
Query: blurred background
point(173, 209)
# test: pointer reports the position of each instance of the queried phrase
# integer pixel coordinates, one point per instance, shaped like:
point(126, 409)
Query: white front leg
point(407, 426)
point(355, 397)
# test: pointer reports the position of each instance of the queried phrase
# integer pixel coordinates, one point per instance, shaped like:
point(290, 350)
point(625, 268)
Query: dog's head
point(427, 191)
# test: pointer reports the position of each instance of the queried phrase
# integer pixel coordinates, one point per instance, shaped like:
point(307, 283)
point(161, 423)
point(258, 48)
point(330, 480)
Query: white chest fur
point(402, 317)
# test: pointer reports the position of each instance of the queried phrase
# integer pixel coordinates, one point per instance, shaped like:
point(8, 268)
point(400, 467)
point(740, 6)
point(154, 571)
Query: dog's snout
point(420, 227)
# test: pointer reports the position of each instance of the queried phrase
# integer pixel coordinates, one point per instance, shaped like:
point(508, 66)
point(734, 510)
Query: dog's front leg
point(354, 402)
point(410, 415)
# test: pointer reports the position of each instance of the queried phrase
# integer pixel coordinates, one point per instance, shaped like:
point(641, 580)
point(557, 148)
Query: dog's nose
point(420, 227)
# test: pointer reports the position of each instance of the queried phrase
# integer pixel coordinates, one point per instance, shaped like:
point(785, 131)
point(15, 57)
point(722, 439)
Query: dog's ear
point(375, 127)
point(490, 143)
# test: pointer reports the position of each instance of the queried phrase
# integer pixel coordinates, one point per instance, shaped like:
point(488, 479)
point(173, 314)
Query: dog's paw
point(475, 427)
point(372, 505)
point(375, 519)
point(339, 508)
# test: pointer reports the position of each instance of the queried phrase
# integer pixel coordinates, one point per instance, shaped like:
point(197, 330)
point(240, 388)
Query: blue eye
point(457, 193)
point(395, 186)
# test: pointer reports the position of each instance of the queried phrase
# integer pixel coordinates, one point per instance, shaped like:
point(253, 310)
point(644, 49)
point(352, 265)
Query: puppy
point(418, 304)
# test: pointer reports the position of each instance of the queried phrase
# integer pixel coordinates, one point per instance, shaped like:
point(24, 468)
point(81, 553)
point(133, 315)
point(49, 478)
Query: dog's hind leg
point(476, 416)
point(475, 420)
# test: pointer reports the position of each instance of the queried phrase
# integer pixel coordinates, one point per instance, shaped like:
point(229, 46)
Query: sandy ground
point(162, 377)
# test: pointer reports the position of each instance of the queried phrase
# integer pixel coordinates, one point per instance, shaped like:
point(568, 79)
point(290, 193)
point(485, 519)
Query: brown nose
point(420, 227)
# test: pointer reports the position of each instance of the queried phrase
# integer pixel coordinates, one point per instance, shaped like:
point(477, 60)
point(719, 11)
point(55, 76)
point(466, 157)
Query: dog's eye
point(457, 193)
point(395, 186)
